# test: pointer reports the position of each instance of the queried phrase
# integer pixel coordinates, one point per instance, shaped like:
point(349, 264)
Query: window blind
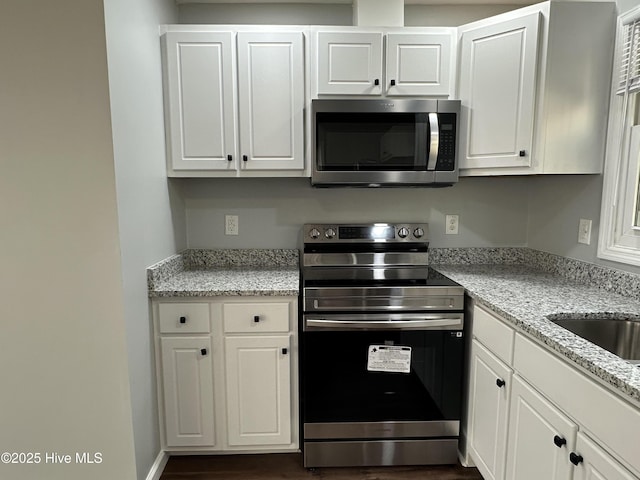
point(630, 59)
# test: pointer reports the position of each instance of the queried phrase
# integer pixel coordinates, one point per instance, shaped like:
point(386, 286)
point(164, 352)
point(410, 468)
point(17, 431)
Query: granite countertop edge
point(530, 316)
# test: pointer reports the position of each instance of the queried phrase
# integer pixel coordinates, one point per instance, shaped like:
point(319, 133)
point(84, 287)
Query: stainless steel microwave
point(384, 143)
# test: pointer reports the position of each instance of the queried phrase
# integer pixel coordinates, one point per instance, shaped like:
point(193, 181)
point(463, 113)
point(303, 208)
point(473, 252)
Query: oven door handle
point(418, 322)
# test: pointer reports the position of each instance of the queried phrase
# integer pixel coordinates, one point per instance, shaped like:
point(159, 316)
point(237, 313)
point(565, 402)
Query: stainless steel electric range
point(381, 348)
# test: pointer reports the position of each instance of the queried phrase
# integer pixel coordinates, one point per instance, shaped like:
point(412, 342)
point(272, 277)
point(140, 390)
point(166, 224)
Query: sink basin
point(620, 336)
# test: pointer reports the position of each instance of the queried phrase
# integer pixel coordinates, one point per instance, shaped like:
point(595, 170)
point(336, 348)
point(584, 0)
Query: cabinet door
point(497, 91)
point(490, 385)
point(596, 464)
point(200, 100)
point(349, 63)
point(187, 382)
point(418, 64)
point(534, 424)
point(258, 371)
point(271, 90)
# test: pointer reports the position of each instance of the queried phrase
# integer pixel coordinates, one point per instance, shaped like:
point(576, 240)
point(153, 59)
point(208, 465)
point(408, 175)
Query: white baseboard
point(158, 466)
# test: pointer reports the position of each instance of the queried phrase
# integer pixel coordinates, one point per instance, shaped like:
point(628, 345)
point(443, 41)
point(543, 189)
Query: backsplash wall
point(493, 211)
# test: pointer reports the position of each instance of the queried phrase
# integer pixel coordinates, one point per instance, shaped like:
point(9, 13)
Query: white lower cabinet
point(546, 420)
point(258, 375)
point(593, 463)
point(188, 391)
point(227, 374)
point(540, 437)
point(491, 386)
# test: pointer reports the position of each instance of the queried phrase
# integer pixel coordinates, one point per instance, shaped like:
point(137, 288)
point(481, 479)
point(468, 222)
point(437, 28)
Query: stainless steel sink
point(620, 336)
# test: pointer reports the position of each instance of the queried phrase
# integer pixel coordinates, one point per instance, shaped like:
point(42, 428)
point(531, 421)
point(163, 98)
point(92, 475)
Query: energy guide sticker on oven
point(389, 358)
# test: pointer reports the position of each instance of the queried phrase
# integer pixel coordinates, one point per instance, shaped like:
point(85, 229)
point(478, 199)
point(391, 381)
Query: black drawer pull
point(203, 351)
point(393, 83)
point(285, 351)
point(245, 158)
point(559, 441)
point(183, 319)
point(256, 318)
point(575, 458)
point(376, 82)
point(500, 382)
point(230, 158)
point(522, 153)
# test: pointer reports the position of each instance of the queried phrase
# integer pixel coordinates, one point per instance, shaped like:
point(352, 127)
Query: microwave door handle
point(434, 141)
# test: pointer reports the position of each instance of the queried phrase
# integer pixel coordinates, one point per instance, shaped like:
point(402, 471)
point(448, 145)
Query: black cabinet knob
point(285, 351)
point(245, 158)
point(203, 351)
point(376, 81)
point(393, 82)
point(522, 153)
point(559, 441)
point(230, 158)
point(256, 318)
point(183, 319)
point(575, 458)
point(500, 382)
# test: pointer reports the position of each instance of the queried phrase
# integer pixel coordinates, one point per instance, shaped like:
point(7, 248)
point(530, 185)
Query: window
point(620, 219)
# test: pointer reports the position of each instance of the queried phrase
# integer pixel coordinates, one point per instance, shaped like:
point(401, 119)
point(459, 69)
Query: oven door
point(367, 377)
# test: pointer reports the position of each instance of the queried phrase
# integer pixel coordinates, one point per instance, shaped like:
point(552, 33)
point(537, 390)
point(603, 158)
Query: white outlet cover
point(584, 232)
point(231, 224)
point(451, 224)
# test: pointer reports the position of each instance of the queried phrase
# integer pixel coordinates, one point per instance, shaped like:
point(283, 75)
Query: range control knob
point(314, 233)
point(418, 232)
point(403, 232)
point(330, 233)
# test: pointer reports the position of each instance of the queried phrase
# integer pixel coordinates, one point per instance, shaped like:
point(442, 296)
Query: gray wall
point(451, 15)
point(493, 211)
point(330, 14)
point(65, 385)
point(151, 213)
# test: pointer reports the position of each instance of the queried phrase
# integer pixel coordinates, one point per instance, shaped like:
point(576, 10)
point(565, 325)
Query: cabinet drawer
point(609, 419)
point(256, 317)
point(494, 334)
point(184, 318)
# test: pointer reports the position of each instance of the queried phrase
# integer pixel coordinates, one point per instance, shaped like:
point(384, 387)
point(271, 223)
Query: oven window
point(372, 141)
point(338, 387)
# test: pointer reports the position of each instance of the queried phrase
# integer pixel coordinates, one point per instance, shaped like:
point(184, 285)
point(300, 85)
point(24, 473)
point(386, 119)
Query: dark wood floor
point(288, 466)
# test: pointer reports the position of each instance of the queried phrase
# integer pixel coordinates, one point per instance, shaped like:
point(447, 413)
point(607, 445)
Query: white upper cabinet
point(271, 95)
point(531, 103)
point(234, 101)
point(400, 62)
point(418, 64)
point(349, 63)
point(497, 83)
point(200, 99)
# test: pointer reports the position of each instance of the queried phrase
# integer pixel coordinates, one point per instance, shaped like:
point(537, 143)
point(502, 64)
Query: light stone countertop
point(525, 296)
point(226, 272)
point(230, 281)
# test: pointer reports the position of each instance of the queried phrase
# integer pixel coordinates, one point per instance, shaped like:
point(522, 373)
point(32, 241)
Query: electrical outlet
point(231, 225)
point(584, 232)
point(451, 224)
